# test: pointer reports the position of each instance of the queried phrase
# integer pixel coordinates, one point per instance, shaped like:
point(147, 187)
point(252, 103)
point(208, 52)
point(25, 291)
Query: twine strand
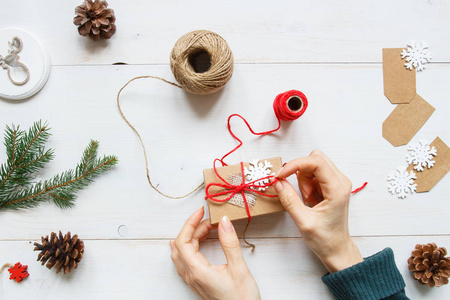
point(243, 236)
point(7, 265)
point(142, 143)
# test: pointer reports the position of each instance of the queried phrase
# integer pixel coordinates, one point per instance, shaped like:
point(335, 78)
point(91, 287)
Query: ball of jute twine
point(220, 57)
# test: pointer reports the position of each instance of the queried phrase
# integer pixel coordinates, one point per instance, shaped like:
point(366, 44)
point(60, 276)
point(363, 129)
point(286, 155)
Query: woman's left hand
point(230, 281)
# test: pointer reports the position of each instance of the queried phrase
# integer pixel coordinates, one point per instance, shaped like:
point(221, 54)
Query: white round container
point(34, 55)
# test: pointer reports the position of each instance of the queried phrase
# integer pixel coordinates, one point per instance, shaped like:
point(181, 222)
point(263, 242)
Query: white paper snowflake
point(416, 55)
point(257, 170)
point(421, 155)
point(237, 199)
point(401, 182)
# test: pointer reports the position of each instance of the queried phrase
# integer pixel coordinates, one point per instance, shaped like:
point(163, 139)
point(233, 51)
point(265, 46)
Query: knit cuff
point(377, 277)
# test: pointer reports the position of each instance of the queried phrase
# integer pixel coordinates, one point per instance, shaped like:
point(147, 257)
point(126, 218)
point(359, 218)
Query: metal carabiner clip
point(12, 60)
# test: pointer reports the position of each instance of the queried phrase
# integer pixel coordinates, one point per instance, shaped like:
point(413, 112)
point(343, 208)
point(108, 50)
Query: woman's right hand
point(322, 216)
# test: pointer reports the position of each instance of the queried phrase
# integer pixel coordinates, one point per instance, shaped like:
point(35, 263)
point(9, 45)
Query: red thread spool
point(290, 105)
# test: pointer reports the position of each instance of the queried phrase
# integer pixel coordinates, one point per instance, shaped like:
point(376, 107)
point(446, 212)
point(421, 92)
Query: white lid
point(34, 55)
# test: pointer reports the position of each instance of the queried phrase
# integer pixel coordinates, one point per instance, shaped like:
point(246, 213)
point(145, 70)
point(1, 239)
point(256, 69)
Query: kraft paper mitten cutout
point(429, 177)
point(406, 120)
point(399, 82)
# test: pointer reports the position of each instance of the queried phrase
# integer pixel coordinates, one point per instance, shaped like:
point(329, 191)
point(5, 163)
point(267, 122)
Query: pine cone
point(96, 19)
point(61, 252)
point(429, 264)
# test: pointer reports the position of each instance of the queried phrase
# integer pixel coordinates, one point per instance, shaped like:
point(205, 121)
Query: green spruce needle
point(26, 155)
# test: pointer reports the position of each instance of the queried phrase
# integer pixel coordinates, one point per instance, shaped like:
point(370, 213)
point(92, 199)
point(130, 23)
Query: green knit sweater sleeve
point(377, 277)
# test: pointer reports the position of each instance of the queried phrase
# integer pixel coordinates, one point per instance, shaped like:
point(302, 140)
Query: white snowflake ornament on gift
point(421, 155)
point(401, 182)
point(416, 55)
point(257, 170)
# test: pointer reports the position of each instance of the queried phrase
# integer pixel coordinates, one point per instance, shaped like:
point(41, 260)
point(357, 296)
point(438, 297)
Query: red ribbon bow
point(231, 189)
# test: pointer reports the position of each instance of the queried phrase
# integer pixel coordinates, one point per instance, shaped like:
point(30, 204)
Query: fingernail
point(278, 186)
point(198, 210)
point(226, 224)
point(171, 244)
point(278, 172)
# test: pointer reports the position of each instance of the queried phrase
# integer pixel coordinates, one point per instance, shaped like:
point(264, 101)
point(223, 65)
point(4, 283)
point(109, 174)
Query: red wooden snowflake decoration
point(18, 272)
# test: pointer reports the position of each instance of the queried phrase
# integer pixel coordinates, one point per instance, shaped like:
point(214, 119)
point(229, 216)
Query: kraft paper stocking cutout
point(406, 120)
point(430, 176)
point(399, 82)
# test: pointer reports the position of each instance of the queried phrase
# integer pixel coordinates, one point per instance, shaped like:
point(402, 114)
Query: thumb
point(230, 243)
point(290, 200)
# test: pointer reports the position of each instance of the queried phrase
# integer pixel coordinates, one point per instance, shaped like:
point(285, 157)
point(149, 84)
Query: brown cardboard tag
point(406, 120)
point(399, 82)
point(428, 178)
point(263, 205)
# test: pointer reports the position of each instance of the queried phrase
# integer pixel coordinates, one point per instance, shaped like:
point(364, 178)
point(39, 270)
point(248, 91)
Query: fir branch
point(89, 155)
point(25, 155)
point(62, 188)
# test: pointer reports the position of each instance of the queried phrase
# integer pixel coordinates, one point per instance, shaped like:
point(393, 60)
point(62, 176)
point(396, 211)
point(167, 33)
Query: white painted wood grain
point(184, 133)
point(330, 50)
point(141, 269)
point(257, 31)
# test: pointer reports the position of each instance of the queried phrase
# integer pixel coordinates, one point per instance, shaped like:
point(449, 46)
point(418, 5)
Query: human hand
point(230, 281)
point(322, 216)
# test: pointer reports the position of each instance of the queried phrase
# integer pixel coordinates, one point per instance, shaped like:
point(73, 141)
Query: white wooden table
point(330, 50)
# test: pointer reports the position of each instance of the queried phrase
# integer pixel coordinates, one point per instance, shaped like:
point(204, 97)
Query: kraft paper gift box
point(262, 204)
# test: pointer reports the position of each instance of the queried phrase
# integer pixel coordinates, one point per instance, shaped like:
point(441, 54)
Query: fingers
point(318, 176)
point(290, 200)
point(184, 248)
point(186, 233)
point(316, 165)
point(202, 232)
point(230, 243)
point(310, 190)
point(191, 265)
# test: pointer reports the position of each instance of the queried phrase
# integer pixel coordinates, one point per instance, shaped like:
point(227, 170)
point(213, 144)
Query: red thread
point(282, 112)
point(290, 105)
point(360, 188)
point(231, 189)
point(240, 142)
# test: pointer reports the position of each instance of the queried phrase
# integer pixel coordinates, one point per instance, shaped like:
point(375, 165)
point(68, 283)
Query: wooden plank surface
point(257, 31)
point(184, 133)
point(142, 269)
point(330, 50)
